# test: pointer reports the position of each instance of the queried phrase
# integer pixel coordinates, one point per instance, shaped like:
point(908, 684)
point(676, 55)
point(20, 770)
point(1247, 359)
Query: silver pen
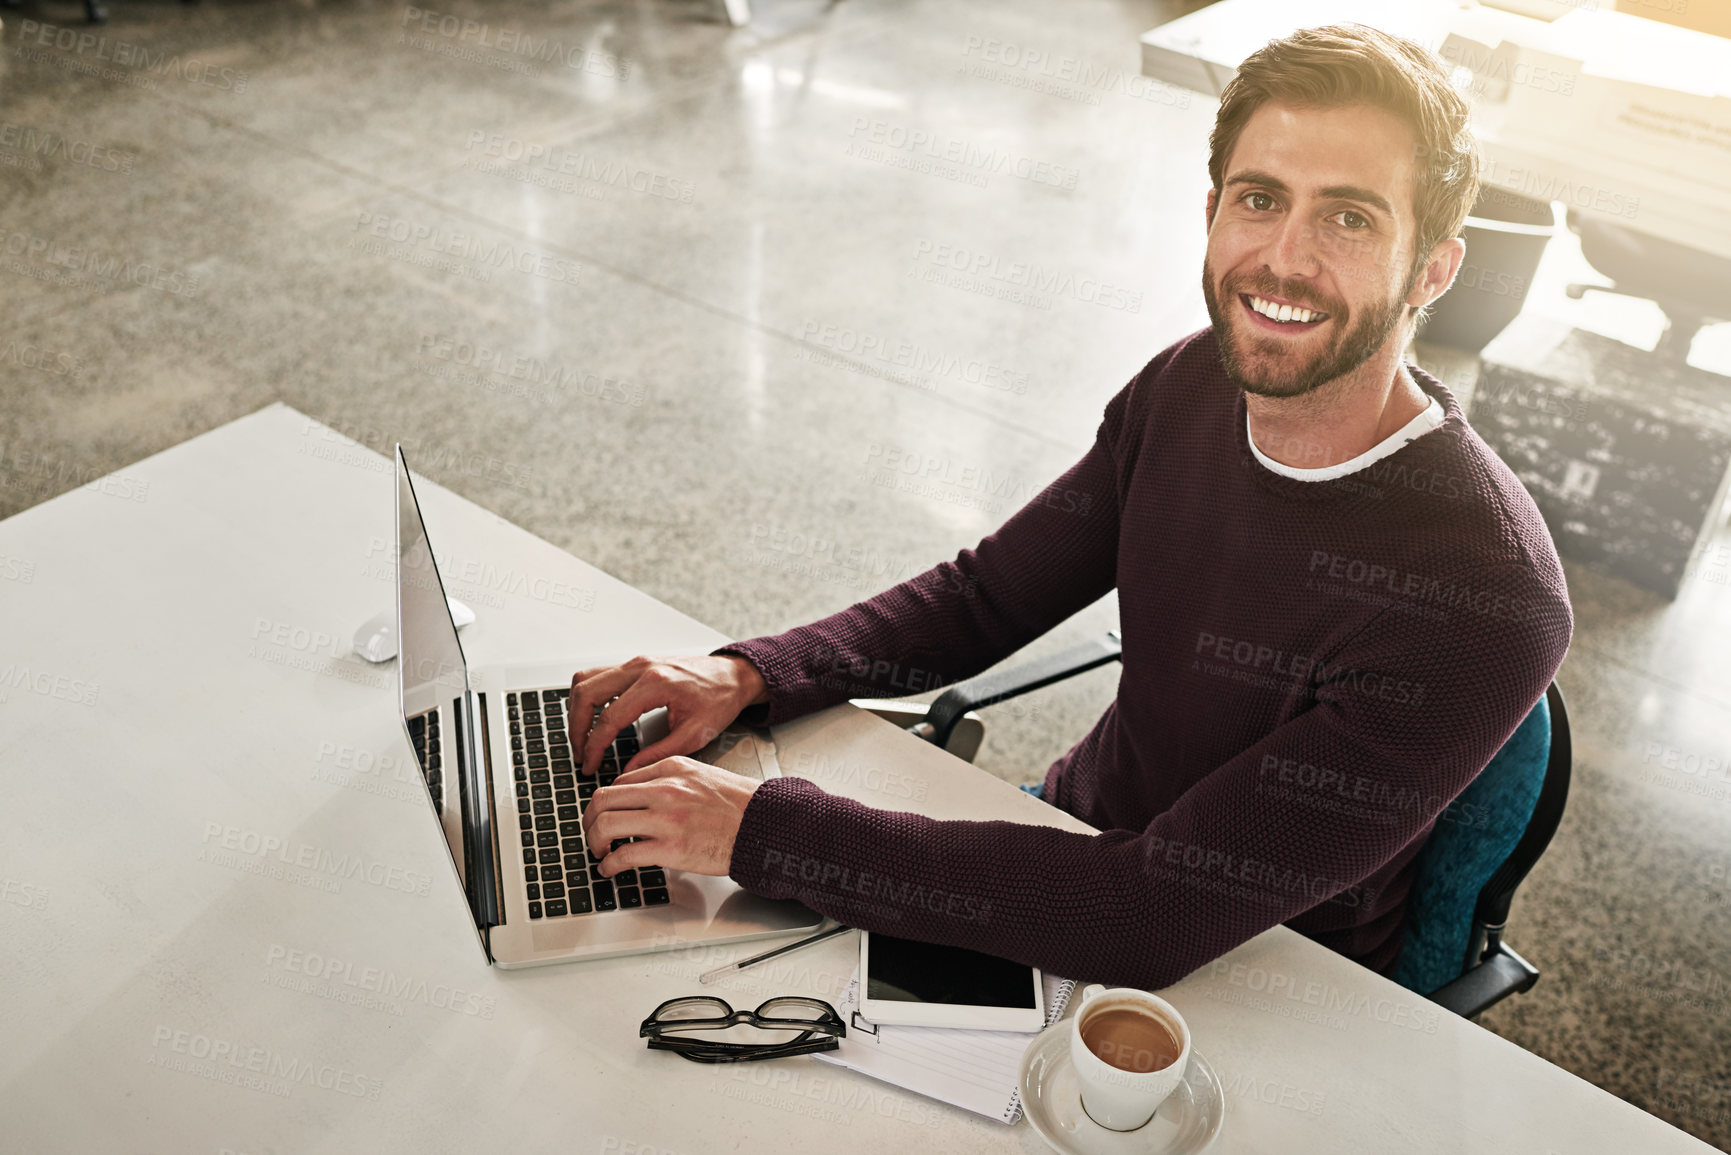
point(711, 976)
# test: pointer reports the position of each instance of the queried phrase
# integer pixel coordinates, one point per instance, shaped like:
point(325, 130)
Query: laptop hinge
point(480, 846)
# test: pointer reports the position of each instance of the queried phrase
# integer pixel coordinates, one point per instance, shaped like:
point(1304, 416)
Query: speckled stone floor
point(698, 353)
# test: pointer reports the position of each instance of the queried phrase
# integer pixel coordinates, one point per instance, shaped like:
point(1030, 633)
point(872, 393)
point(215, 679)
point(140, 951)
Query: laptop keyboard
point(424, 733)
point(560, 877)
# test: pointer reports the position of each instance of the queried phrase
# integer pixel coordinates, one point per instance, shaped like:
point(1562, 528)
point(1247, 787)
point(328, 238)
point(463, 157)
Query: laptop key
point(573, 845)
point(571, 829)
point(538, 762)
point(528, 857)
point(546, 822)
point(535, 891)
point(629, 898)
point(547, 838)
point(564, 782)
point(531, 873)
point(586, 788)
point(549, 890)
point(528, 838)
point(651, 876)
point(656, 896)
point(542, 805)
point(541, 791)
point(579, 902)
point(565, 797)
point(525, 822)
point(625, 878)
point(534, 910)
point(551, 854)
point(539, 776)
point(569, 813)
point(551, 873)
point(602, 892)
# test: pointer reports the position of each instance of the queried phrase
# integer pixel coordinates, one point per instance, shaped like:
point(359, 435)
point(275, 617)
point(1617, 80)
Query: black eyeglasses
point(789, 1025)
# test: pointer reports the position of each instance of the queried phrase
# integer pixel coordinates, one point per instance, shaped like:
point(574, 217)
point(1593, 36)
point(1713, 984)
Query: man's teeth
point(1282, 312)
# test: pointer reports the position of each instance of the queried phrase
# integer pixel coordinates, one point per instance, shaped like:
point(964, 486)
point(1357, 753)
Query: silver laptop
point(500, 771)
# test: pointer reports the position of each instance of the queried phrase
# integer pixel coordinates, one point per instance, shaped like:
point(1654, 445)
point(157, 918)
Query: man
point(1336, 602)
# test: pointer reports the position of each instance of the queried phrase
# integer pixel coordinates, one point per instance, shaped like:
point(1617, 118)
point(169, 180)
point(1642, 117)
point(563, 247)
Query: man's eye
point(1256, 196)
point(1348, 216)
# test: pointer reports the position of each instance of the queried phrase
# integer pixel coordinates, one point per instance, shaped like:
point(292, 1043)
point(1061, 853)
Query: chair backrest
point(1483, 846)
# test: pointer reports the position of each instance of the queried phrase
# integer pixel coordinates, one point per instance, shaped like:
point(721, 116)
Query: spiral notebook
point(979, 1071)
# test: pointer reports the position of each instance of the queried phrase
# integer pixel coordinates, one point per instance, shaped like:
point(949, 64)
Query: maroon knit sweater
point(1312, 670)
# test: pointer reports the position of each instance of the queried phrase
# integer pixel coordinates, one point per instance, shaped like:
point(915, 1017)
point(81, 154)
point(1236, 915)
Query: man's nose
point(1293, 250)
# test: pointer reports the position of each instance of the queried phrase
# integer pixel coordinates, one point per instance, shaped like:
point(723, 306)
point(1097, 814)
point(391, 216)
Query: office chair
point(1466, 874)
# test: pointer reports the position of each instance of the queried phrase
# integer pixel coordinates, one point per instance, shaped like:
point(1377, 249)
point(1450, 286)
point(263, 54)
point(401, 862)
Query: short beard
point(1346, 352)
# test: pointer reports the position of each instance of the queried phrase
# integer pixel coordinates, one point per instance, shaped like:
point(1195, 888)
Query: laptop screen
point(430, 658)
point(433, 679)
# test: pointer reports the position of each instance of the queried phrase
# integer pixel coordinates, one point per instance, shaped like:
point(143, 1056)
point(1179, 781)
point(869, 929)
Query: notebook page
point(976, 1070)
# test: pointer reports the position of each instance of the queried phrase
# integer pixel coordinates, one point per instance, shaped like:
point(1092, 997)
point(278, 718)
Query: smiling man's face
point(1315, 212)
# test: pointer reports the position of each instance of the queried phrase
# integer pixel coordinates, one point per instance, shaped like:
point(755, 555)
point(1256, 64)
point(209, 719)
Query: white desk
point(148, 718)
point(1622, 118)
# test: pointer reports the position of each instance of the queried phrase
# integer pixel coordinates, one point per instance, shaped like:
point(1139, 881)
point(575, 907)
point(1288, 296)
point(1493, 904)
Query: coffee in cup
point(1130, 1050)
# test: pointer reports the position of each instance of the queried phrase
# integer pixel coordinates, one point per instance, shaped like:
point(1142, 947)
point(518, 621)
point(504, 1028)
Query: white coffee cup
point(1115, 1098)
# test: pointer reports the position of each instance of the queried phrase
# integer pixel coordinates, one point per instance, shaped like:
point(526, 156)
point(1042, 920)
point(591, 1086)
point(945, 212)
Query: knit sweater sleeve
point(1409, 709)
point(1053, 557)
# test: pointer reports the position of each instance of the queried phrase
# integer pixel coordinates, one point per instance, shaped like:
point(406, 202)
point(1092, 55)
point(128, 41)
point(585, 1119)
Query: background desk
point(177, 696)
point(1619, 117)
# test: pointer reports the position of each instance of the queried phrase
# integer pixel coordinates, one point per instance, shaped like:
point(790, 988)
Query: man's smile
point(1276, 317)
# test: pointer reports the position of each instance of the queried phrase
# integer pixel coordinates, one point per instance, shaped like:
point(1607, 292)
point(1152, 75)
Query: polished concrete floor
point(668, 301)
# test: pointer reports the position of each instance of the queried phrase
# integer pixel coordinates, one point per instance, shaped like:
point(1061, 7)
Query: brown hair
point(1344, 64)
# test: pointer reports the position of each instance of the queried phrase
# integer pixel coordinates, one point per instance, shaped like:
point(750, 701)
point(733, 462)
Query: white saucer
point(1187, 1121)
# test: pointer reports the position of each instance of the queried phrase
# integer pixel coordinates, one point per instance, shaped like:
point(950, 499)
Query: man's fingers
point(649, 852)
point(589, 689)
point(612, 825)
point(684, 738)
point(633, 701)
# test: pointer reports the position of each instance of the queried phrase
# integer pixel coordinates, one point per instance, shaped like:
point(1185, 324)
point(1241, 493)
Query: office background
point(685, 301)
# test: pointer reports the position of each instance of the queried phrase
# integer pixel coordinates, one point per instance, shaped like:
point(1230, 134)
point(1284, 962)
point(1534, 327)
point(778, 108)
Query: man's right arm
point(1053, 557)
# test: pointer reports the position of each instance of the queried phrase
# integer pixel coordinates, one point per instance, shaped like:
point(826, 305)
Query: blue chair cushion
point(1474, 836)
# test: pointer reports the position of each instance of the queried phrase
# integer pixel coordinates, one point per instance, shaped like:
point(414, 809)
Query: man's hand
point(702, 695)
point(687, 814)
